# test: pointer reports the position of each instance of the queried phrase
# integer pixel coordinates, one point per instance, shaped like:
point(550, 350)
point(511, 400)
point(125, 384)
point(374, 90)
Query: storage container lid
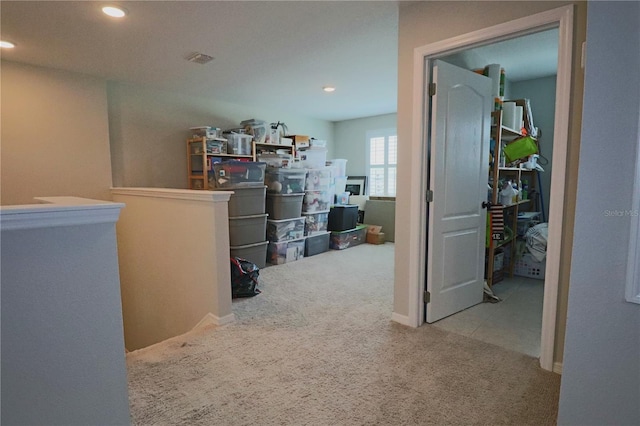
point(269, 195)
point(261, 243)
point(320, 211)
point(284, 220)
point(253, 216)
point(283, 171)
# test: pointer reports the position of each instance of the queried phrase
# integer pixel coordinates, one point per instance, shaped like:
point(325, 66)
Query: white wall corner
point(402, 319)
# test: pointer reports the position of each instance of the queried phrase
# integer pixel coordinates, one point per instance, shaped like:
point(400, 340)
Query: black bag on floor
point(244, 278)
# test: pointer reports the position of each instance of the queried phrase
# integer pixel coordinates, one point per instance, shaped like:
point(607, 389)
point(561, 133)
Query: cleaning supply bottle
point(525, 190)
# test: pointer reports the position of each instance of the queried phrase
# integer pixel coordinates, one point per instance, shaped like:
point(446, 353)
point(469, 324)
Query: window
point(382, 147)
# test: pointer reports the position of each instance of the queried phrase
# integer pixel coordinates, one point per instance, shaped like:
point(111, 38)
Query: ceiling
point(275, 54)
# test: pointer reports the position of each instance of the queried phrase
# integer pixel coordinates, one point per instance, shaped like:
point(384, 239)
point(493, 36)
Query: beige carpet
point(317, 347)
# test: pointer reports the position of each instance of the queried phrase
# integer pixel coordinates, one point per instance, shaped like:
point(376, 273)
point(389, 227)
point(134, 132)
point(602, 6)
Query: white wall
point(149, 128)
point(542, 93)
point(601, 373)
point(63, 358)
point(173, 247)
point(55, 135)
point(351, 140)
point(422, 23)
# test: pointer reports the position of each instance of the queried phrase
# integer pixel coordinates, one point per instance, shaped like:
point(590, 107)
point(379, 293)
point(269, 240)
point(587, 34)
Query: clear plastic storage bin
point(285, 229)
point(318, 179)
point(238, 144)
point(285, 181)
point(316, 223)
point(232, 174)
point(341, 240)
point(285, 251)
point(316, 201)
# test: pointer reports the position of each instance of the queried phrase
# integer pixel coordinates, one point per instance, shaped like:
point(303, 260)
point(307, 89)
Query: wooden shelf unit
point(502, 134)
point(199, 162)
point(259, 149)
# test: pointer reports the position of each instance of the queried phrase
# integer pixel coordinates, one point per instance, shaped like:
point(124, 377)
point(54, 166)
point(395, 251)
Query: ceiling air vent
point(199, 58)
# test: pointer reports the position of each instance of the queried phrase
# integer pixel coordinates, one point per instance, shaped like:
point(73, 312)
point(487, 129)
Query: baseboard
point(211, 319)
point(208, 320)
point(557, 367)
point(401, 319)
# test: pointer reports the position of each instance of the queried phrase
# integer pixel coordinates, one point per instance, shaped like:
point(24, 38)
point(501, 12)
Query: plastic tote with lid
point(340, 166)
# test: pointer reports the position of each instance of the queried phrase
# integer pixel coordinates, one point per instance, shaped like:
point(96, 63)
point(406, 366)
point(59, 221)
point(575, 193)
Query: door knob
point(486, 205)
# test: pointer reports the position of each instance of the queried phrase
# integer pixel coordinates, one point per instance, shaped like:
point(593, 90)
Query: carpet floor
point(317, 347)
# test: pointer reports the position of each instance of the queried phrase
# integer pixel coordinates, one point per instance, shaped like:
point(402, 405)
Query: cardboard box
point(375, 234)
point(300, 141)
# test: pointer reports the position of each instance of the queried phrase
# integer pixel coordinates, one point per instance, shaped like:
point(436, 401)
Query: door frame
point(561, 18)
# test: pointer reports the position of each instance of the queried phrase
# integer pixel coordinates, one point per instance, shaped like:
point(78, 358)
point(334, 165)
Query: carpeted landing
point(317, 347)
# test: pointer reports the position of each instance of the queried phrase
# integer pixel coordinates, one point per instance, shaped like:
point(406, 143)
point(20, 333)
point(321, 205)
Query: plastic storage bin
point(233, 174)
point(286, 229)
point(312, 158)
point(318, 179)
point(239, 144)
point(256, 253)
point(208, 132)
point(285, 251)
point(247, 201)
point(316, 244)
point(285, 181)
point(341, 240)
point(343, 217)
point(316, 223)
point(527, 266)
point(340, 165)
point(284, 206)
point(247, 229)
point(316, 201)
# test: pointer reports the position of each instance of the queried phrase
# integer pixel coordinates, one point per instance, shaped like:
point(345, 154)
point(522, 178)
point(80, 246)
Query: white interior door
point(459, 167)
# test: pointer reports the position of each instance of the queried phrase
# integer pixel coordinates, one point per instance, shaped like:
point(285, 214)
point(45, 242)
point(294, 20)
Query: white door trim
point(561, 18)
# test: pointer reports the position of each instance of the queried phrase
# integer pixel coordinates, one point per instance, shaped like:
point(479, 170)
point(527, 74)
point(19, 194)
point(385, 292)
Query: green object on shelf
point(520, 148)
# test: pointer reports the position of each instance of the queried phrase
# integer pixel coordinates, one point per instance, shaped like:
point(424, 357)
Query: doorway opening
point(562, 19)
point(513, 318)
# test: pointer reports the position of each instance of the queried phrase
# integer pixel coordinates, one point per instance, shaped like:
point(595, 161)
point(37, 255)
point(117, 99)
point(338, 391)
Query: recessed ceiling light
point(329, 89)
point(7, 44)
point(114, 11)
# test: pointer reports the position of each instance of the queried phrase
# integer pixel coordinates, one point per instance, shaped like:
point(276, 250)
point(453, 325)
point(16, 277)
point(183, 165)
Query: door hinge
point(432, 89)
point(427, 297)
point(429, 196)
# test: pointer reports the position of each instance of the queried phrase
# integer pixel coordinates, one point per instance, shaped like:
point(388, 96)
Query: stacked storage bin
point(345, 232)
point(285, 227)
point(247, 217)
point(315, 209)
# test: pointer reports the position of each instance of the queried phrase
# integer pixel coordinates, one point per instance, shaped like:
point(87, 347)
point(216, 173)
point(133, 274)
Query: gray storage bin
point(284, 206)
point(247, 229)
point(255, 253)
point(247, 201)
point(316, 244)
